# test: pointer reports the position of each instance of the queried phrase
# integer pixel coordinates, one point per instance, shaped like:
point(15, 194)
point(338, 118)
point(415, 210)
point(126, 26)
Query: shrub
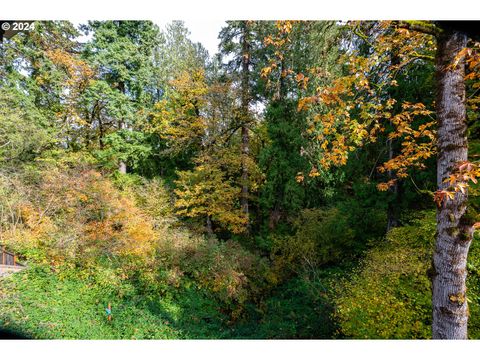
point(389, 295)
point(75, 224)
point(74, 215)
point(321, 236)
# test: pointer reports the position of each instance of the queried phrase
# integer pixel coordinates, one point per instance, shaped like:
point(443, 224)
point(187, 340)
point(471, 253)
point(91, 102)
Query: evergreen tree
point(122, 54)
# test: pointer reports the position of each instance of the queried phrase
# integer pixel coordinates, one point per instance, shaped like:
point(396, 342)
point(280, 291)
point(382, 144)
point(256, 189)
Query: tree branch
point(425, 27)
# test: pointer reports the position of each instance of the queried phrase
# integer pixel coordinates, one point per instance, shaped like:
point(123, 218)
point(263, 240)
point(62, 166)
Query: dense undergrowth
point(88, 242)
point(92, 239)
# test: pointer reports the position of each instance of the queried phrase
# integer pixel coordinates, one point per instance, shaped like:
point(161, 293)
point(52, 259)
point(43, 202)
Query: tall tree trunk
point(245, 102)
point(454, 230)
point(122, 166)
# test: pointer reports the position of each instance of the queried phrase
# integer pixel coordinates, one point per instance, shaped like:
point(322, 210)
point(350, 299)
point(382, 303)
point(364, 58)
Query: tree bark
point(454, 229)
point(209, 225)
point(245, 102)
point(122, 166)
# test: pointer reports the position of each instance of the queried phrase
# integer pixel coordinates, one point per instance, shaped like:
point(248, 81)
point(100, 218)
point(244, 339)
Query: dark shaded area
point(471, 28)
point(10, 335)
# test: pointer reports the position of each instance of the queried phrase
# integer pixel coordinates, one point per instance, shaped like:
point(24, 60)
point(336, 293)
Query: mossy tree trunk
point(454, 231)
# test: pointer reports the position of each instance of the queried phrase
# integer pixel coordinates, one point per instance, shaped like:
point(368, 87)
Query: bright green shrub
point(42, 304)
point(389, 295)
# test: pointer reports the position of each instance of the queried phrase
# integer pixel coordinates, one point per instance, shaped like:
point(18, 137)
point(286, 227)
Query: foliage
point(117, 245)
point(280, 161)
point(100, 221)
point(131, 147)
point(225, 196)
point(205, 193)
point(321, 236)
point(389, 295)
point(354, 109)
point(298, 309)
point(177, 118)
point(18, 121)
point(40, 304)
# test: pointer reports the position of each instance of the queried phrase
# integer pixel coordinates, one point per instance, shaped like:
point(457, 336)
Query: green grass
point(41, 304)
point(37, 303)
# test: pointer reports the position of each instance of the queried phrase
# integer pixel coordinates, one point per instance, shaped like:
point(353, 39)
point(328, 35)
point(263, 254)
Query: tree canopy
point(284, 187)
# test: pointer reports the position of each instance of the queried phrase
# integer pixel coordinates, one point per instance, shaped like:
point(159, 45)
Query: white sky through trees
point(202, 31)
point(205, 32)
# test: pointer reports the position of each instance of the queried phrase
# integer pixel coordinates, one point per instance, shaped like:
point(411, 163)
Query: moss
point(458, 298)
point(453, 231)
point(465, 236)
point(426, 25)
point(470, 217)
point(431, 271)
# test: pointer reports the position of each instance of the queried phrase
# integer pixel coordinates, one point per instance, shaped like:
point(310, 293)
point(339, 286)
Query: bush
point(121, 245)
point(230, 273)
point(77, 216)
point(321, 236)
point(300, 308)
point(389, 295)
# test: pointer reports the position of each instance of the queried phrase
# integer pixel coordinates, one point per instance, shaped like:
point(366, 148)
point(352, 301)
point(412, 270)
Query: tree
point(290, 52)
point(194, 119)
point(177, 117)
point(239, 39)
point(454, 224)
point(122, 53)
point(176, 54)
point(208, 193)
point(42, 69)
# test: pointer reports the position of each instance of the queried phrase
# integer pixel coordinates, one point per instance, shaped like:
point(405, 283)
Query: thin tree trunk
point(454, 230)
point(209, 225)
point(122, 166)
point(245, 102)
point(101, 130)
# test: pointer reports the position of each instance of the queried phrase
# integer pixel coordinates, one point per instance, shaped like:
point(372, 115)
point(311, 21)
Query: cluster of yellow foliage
point(77, 77)
point(191, 120)
point(387, 296)
point(78, 215)
point(177, 118)
point(208, 192)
